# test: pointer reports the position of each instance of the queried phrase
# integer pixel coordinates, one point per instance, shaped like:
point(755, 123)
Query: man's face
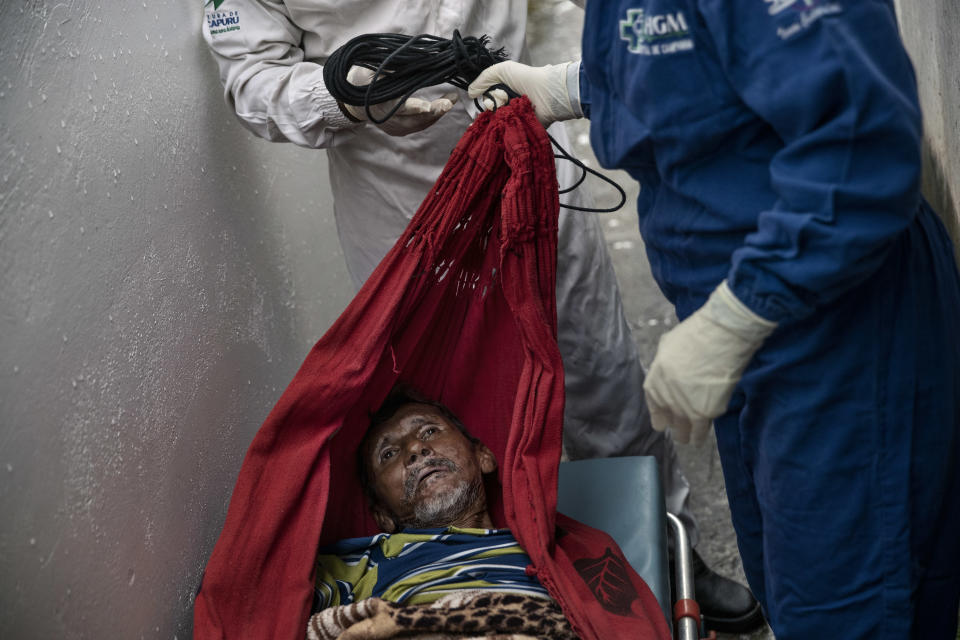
point(425, 472)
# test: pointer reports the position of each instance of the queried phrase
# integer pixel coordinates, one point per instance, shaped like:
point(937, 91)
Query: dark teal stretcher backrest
point(623, 497)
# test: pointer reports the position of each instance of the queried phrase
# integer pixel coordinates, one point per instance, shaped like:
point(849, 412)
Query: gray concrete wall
point(162, 275)
point(931, 31)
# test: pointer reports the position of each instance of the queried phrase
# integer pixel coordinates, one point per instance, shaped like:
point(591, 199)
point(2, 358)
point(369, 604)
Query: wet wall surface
point(931, 32)
point(162, 275)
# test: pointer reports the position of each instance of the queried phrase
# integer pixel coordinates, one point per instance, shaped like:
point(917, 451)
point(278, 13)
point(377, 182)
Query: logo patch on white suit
point(220, 22)
point(800, 14)
point(657, 34)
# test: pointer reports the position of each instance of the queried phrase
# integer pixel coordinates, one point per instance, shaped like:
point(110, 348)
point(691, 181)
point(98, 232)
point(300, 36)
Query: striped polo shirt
point(419, 566)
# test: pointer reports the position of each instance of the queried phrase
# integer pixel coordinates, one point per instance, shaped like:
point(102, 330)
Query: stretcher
point(595, 492)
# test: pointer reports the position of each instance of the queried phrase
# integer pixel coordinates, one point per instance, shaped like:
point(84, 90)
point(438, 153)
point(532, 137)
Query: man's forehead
point(408, 416)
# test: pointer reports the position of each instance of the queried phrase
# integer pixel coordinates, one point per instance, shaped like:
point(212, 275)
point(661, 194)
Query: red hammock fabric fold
point(463, 309)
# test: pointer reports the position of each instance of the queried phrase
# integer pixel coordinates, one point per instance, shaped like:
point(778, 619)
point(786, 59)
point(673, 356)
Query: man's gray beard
point(442, 510)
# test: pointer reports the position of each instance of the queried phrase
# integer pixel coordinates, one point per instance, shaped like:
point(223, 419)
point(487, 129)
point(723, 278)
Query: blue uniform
point(778, 146)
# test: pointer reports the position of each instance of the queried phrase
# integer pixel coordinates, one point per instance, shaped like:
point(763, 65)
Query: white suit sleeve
point(274, 91)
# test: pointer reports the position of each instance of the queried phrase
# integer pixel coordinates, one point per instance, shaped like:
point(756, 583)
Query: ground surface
point(554, 36)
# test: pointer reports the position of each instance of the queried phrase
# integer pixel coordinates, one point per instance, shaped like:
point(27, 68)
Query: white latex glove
point(699, 363)
point(547, 87)
point(415, 115)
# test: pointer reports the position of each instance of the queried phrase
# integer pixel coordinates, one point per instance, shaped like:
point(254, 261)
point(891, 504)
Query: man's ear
point(488, 463)
point(384, 519)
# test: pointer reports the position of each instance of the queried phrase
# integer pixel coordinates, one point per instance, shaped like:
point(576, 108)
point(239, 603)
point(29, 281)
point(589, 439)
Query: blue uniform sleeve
point(834, 82)
point(585, 100)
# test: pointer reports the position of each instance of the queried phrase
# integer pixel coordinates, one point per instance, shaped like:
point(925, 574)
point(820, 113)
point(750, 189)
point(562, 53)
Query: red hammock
point(463, 309)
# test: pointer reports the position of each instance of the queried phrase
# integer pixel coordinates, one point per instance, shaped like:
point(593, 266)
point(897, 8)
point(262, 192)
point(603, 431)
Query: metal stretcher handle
point(686, 611)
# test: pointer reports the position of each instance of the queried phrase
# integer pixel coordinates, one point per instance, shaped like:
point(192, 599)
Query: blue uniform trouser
point(841, 450)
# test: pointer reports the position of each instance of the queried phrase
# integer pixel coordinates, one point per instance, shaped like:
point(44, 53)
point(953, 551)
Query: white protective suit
point(270, 55)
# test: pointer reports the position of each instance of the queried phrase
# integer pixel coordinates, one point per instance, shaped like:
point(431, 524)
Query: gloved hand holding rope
point(374, 76)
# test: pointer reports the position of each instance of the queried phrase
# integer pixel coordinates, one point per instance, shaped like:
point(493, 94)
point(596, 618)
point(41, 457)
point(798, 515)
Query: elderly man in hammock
point(423, 474)
point(493, 214)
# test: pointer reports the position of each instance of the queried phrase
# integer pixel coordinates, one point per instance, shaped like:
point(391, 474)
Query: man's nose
point(417, 450)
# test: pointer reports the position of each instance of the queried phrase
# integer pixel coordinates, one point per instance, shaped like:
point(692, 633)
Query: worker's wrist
point(321, 105)
point(346, 112)
point(573, 88)
point(727, 310)
point(583, 89)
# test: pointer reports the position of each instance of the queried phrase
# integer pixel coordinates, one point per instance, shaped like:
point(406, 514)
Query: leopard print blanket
point(466, 615)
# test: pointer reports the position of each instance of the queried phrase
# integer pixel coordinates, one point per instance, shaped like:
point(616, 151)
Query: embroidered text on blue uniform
point(776, 6)
point(657, 34)
point(804, 16)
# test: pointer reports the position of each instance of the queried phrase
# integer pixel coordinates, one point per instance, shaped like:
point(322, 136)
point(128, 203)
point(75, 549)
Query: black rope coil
point(404, 64)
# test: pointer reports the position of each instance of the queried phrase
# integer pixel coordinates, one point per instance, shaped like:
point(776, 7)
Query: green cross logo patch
point(631, 28)
point(655, 34)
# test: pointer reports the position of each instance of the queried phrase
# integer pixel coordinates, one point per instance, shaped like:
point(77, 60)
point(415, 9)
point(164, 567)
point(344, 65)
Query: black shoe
point(727, 606)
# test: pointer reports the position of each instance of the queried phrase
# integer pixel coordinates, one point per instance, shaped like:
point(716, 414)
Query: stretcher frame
point(624, 497)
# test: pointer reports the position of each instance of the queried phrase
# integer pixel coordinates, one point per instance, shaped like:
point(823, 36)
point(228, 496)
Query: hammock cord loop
point(404, 64)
